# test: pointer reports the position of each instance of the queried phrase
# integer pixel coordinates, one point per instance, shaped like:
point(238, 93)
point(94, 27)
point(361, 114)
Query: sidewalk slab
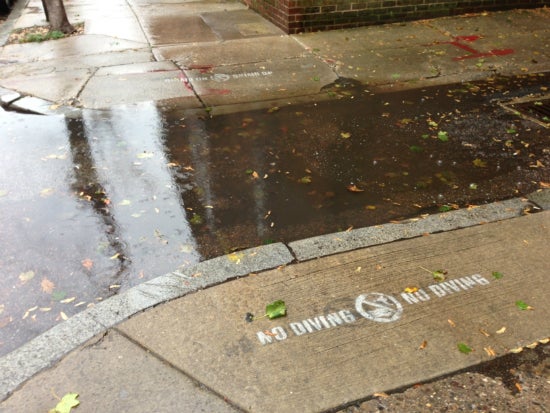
point(263, 81)
point(112, 374)
point(207, 55)
point(352, 329)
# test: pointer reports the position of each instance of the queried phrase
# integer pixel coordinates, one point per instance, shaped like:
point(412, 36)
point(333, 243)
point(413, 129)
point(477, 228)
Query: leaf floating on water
point(442, 136)
point(276, 309)
point(47, 286)
point(66, 404)
point(479, 163)
point(87, 263)
point(144, 155)
point(354, 188)
point(26, 276)
point(464, 348)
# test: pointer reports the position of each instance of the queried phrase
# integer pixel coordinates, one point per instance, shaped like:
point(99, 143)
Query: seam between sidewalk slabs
point(45, 350)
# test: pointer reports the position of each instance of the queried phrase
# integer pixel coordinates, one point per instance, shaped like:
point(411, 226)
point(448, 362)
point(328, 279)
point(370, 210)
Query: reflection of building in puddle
point(122, 161)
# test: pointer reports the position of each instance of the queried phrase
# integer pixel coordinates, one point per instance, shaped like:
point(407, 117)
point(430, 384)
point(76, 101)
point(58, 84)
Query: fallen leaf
point(479, 163)
point(87, 263)
point(66, 403)
point(354, 188)
point(46, 192)
point(305, 179)
point(410, 290)
point(63, 316)
point(501, 330)
point(442, 136)
point(3, 192)
point(26, 276)
point(381, 395)
point(464, 348)
point(497, 275)
point(47, 286)
point(490, 352)
point(423, 345)
point(345, 135)
point(275, 309)
point(522, 305)
point(124, 202)
point(451, 323)
point(67, 300)
point(144, 155)
point(516, 350)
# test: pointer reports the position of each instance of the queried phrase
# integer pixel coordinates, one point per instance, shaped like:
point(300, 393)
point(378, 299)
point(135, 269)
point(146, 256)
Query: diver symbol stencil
point(378, 307)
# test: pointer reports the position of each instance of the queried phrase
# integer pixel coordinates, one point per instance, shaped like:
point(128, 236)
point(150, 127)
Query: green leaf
point(522, 305)
point(473, 186)
point(196, 219)
point(464, 348)
point(511, 131)
point(305, 179)
point(58, 295)
point(445, 208)
point(66, 404)
point(442, 136)
point(497, 275)
point(415, 148)
point(275, 309)
point(425, 136)
point(439, 275)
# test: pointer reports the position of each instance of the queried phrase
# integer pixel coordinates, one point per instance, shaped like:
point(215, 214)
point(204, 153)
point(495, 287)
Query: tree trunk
point(57, 16)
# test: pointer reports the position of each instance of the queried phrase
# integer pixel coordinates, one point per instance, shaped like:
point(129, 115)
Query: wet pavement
point(128, 194)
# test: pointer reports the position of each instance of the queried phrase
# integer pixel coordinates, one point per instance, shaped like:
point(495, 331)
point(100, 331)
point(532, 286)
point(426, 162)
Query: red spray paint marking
point(185, 80)
point(201, 68)
point(217, 92)
point(473, 52)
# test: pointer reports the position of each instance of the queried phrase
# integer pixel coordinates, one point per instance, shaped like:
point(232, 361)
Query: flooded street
point(95, 205)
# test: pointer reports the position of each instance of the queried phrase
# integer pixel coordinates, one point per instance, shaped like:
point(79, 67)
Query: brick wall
point(295, 16)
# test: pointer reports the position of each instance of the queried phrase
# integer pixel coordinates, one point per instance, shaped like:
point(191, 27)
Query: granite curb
point(51, 346)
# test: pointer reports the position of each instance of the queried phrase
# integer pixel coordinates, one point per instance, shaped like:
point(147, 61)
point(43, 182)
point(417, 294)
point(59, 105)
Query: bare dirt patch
point(41, 33)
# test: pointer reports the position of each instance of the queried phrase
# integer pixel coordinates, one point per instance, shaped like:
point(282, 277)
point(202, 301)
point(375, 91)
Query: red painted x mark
point(458, 41)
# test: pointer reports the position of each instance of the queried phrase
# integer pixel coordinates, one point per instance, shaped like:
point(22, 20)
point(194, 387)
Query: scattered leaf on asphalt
point(438, 275)
point(66, 403)
point(522, 305)
point(275, 309)
point(464, 348)
point(26, 276)
point(410, 290)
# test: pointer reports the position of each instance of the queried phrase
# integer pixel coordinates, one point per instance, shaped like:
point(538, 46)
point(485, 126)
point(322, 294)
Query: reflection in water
point(88, 207)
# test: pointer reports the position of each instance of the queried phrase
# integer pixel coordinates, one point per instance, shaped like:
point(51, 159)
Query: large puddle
point(93, 206)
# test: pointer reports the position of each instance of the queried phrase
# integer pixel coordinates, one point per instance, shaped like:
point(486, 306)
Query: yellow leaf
point(63, 315)
point(46, 192)
point(235, 257)
point(68, 300)
point(26, 276)
point(480, 163)
point(345, 135)
point(47, 286)
point(354, 188)
point(411, 290)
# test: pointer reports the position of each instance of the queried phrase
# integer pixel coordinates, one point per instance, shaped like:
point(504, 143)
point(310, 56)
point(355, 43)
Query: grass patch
point(39, 37)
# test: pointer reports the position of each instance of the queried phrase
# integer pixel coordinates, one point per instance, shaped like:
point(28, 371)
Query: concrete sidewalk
point(216, 55)
point(364, 316)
